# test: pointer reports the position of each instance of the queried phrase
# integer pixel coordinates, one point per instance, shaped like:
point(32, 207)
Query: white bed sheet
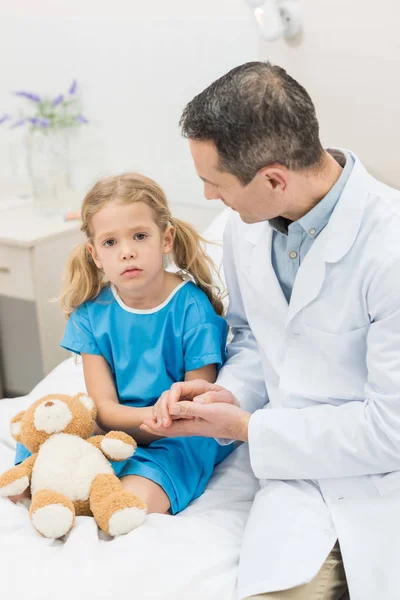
point(191, 556)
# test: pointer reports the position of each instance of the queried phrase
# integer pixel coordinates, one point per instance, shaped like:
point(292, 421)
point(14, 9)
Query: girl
point(140, 328)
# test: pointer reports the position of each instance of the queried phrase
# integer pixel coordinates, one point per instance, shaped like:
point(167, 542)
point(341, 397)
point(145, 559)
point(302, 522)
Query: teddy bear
point(69, 472)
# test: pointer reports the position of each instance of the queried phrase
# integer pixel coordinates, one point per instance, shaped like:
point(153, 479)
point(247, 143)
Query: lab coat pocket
point(387, 483)
point(321, 365)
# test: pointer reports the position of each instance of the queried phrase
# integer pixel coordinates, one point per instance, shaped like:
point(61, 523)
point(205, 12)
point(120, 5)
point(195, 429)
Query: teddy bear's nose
point(49, 404)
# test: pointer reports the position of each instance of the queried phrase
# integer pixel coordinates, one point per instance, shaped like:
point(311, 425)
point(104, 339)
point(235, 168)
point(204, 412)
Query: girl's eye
point(109, 243)
point(140, 237)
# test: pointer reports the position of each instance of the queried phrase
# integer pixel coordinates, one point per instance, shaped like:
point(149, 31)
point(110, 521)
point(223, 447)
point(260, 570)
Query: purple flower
point(4, 118)
point(18, 123)
point(58, 100)
point(73, 87)
point(41, 122)
point(81, 119)
point(29, 96)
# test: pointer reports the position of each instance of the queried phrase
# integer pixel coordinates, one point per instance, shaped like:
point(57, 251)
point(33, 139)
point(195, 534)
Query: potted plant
point(52, 124)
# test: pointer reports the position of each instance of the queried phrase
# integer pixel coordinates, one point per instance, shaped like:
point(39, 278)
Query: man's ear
point(93, 253)
point(15, 427)
point(87, 403)
point(276, 176)
point(169, 235)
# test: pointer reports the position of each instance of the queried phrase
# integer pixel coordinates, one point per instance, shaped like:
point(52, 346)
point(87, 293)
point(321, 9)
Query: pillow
point(215, 233)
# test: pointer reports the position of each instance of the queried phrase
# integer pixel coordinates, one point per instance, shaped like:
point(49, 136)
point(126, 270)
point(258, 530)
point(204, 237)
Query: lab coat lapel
point(333, 243)
point(260, 268)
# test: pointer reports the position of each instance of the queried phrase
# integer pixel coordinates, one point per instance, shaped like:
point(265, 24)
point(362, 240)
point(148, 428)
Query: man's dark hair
point(256, 115)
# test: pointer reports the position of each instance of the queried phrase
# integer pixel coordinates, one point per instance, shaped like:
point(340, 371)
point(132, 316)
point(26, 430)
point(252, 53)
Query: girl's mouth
point(131, 272)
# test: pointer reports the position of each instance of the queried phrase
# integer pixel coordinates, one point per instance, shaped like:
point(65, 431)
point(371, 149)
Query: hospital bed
point(191, 556)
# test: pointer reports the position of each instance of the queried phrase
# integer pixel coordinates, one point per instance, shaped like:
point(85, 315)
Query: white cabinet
point(33, 253)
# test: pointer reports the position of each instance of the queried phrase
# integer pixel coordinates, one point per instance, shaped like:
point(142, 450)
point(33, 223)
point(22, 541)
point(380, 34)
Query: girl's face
point(129, 246)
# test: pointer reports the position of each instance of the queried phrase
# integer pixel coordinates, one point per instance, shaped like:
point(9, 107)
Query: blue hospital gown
point(148, 351)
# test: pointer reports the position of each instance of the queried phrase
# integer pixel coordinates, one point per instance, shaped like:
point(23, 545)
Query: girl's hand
point(160, 413)
point(196, 390)
point(161, 416)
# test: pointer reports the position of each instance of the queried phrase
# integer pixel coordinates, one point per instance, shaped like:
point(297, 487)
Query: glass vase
point(50, 170)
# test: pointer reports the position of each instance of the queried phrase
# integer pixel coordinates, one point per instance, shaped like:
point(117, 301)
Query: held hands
point(197, 390)
point(198, 408)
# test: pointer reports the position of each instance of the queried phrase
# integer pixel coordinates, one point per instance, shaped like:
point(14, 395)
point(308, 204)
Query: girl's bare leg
point(25, 494)
point(151, 493)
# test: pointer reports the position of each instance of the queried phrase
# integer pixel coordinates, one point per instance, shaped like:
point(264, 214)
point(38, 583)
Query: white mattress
point(191, 556)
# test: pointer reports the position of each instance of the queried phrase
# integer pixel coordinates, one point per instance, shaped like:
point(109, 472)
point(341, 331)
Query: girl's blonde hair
point(84, 281)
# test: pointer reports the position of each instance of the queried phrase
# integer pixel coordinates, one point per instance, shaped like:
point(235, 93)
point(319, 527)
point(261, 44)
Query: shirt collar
point(317, 218)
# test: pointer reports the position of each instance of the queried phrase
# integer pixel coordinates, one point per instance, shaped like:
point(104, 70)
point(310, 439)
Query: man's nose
point(210, 192)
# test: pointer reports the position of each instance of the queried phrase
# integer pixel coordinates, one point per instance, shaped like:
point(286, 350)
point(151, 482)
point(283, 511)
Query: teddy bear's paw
point(125, 520)
point(118, 446)
point(53, 520)
point(52, 513)
point(116, 510)
point(13, 488)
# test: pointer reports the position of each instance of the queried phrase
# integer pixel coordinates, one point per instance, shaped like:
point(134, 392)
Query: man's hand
point(197, 390)
point(215, 420)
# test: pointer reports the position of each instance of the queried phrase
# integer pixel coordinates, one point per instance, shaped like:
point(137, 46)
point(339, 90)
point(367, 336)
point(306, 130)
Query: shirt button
point(312, 231)
point(293, 254)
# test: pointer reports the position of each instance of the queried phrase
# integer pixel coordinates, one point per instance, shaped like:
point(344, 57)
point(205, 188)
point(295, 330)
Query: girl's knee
point(149, 491)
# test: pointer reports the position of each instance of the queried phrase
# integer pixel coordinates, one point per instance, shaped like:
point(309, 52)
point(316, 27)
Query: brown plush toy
point(69, 471)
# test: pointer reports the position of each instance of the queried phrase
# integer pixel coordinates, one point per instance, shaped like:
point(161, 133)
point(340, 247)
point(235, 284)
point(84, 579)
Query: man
point(312, 262)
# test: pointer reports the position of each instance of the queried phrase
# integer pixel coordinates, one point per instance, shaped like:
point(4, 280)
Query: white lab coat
point(332, 469)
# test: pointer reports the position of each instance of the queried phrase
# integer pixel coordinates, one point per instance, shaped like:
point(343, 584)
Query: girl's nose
point(128, 253)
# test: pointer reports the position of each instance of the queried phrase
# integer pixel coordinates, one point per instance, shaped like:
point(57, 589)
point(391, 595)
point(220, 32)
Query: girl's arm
point(207, 373)
point(111, 415)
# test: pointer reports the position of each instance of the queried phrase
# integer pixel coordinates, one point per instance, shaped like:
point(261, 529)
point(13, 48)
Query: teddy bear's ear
point(87, 403)
point(15, 427)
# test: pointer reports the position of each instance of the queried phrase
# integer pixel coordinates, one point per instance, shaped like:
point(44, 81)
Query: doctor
point(312, 263)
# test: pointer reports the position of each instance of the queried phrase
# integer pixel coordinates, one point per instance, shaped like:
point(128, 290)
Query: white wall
point(137, 63)
point(349, 60)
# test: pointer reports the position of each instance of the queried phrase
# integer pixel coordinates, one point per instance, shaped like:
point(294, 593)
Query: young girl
point(140, 328)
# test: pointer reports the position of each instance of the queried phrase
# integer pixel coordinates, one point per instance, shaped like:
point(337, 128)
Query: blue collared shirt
point(291, 242)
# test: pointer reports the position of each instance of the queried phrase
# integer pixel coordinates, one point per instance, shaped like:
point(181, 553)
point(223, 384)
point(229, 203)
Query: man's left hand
point(215, 420)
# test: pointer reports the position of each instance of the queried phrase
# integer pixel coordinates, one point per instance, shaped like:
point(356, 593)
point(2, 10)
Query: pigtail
point(82, 280)
point(190, 256)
